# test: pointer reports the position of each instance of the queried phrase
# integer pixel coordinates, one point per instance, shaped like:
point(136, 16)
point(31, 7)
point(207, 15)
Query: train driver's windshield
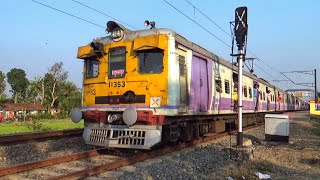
point(117, 62)
point(150, 61)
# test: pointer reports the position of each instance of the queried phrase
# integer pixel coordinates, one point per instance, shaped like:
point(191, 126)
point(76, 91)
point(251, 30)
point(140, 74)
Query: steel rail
point(48, 162)
point(141, 157)
point(16, 138)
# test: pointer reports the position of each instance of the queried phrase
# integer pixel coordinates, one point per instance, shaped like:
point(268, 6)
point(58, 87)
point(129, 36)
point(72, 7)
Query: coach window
point(218, 85)
point(250, 92)
point(245, 91)
point(117, 62)
point(150, 61)
point(227, 86)
point(264, 96)
point(92, 68)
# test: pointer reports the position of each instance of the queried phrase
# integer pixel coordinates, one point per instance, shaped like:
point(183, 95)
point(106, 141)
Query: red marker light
point(117, 100)
point(111, 100)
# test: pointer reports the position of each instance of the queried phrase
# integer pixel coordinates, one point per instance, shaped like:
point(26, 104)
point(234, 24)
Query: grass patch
point(264, 167)
point(315, 118)
point(241, 171)
point(39, 125)
point(316, 130)
point(247, 170)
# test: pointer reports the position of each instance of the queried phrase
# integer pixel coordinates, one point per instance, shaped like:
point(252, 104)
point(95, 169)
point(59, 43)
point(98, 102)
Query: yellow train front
point(125, 87)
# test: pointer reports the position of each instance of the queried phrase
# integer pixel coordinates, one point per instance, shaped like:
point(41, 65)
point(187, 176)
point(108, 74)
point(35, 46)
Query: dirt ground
point(298, 159)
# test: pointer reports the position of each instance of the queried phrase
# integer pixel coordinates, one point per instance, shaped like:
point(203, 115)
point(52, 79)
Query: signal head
point(241, 25)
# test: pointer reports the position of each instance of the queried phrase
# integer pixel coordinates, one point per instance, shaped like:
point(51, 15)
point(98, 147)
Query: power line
point(69, 14)
point(269, 75)
point(225, 31)
point(218, 26)
point(197, 23)
point(103, 13)
point(265, 71)
point(259, 59)
point(207, 29)
point(209, 18)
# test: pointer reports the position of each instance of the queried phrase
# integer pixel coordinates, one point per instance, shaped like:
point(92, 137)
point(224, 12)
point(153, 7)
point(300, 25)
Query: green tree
point(54, 78)
point(5, 99)
point(2, 82)
point(69, 97)
point(18, 82)
point(33, 93)
point(47, 81)
point(36, 90)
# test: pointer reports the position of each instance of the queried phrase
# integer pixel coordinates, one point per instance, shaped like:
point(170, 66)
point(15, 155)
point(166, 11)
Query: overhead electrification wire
point(201, 25)
point(209, 19)
point(269, 75)
point(69, 14)
point(103, 13)
point(259, 59)
point(218, 26)
point(197, 23)
point(224, 31)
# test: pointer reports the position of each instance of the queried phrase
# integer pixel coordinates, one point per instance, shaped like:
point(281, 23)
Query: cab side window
point(92, 68)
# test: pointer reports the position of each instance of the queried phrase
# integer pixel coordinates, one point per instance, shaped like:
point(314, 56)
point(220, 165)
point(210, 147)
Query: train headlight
point(116, 31)
point(130, 116)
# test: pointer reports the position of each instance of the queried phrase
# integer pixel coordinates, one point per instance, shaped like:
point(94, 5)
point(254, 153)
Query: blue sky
point(283, 34)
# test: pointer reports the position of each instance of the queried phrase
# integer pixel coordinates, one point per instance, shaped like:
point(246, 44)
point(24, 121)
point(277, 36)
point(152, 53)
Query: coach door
point(183, 83)
point(199, 85)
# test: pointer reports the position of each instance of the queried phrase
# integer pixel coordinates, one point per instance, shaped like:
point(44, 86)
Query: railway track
point(93, 162)
point(26, 137)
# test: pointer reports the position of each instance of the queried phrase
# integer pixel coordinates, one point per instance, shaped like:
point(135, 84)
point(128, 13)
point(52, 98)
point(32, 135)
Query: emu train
point(147, 87)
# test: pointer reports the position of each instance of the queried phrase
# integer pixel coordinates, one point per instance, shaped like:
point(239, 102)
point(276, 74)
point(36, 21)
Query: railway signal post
point(240, 32)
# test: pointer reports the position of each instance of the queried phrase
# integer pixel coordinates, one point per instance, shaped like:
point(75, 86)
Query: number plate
point(117, 84)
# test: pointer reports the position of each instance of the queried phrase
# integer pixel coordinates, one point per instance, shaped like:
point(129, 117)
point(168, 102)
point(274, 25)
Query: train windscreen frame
point(117, 62)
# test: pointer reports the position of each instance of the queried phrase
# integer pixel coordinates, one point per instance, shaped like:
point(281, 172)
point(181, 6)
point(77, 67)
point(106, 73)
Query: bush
point(10, 120)
point(41, 116)
point(34, 124)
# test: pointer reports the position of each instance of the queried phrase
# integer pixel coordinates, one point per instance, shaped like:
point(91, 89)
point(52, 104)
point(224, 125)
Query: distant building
point(2, 114)
point(15, 110)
